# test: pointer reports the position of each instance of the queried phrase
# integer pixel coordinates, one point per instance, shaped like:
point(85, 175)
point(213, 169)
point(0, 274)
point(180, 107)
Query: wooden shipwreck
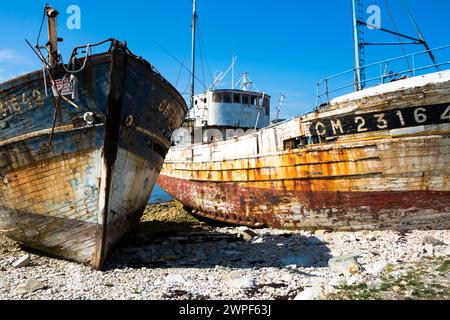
point(81, 146)
point(377, 158)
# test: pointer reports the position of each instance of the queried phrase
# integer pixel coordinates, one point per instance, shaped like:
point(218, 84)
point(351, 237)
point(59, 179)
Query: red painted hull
point(312, 210)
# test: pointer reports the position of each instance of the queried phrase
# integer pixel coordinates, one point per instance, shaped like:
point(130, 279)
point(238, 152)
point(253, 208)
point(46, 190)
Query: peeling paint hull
point(376, 160)
point(76, 197)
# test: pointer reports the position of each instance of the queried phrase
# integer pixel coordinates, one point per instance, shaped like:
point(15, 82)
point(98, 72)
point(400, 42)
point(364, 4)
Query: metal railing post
point(318, 95)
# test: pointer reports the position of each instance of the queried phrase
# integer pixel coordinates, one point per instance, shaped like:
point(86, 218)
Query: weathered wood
point(375, 159)
point(58, 198)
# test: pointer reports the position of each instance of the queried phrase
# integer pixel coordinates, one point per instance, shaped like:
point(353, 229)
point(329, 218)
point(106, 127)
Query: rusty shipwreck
point(377, 158)
point(81, 147)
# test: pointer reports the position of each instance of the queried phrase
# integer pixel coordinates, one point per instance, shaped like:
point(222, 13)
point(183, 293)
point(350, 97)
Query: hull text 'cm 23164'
point(78, 163)
point(377, 158)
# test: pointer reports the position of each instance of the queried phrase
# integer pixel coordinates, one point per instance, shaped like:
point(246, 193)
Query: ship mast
point(194, 22)
point(358, 38)
point(52, 45)
point(360, 44)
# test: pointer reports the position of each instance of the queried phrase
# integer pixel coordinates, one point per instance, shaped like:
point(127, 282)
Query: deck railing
point(382, 72)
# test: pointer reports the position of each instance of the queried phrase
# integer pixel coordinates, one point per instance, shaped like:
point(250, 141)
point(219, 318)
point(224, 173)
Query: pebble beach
point(175, 256)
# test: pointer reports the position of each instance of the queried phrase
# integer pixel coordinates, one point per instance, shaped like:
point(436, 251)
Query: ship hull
point(392, 174)
point(75, 190)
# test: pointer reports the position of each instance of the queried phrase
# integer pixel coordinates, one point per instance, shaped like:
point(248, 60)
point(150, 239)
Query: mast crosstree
point(359, 41)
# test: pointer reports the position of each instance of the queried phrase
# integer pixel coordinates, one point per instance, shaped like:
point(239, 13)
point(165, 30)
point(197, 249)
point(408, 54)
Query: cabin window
point(217, 97)
point(205, 100)
point(255, 100)
point(226, 97)
point(196, 102)
point(236, 98)
point(245, 99)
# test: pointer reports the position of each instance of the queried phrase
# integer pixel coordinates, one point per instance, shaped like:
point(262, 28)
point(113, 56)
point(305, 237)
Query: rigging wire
point(40, 29)
point(179, 74)
point(203, 53)
point(396, 30)
point(425, 44)
point(178, 61)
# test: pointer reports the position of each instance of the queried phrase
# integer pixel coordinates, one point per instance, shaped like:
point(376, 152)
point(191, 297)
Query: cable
point(40, 29)
point(179, 74)
point(202, 49)
point(396, 30)
point(173, 57)
point(201, 55)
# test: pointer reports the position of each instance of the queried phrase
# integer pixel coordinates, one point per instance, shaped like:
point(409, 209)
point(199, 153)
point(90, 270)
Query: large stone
point(433, 241)
point(30, 287)
point(258, 240)
point(344, 265)
point(310, 293)
point(247, 234)
point(23, 261)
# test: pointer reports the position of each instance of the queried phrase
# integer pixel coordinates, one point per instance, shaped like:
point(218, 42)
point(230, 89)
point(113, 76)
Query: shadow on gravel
point(184, 244)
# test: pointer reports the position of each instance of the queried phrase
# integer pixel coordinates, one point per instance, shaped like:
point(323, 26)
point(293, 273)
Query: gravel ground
point(174, 256)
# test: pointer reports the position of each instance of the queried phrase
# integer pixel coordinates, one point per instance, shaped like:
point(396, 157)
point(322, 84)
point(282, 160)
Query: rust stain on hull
point(385, 166)
point(78, 196)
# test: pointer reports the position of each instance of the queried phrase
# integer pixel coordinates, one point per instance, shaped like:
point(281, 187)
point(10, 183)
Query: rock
point(433, 241)
point(351, 238)
point(377, 268)
point(174, 279)
point(303, 261)
point(246, 282)
point(258, 240)
point(30, 287)
point(247, 234)
point(344, 265)
point(23, 261)
point(310, 293)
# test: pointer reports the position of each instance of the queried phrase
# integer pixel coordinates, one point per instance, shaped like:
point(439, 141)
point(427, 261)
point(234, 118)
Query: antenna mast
point(358, 38)
point(194, 22)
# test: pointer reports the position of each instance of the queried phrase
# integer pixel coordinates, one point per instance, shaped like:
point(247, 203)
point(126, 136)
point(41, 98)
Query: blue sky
point(285, 45)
